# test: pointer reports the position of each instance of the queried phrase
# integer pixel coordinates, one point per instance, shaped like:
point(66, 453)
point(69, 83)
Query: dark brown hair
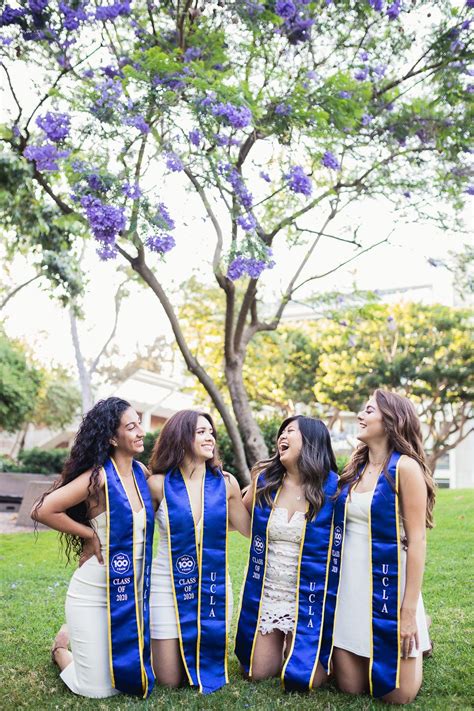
point(176, 440)
point(315, 461)
point(403, 429)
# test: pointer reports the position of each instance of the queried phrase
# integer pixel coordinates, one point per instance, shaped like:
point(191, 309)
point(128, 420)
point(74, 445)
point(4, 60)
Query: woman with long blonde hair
point(386, 496)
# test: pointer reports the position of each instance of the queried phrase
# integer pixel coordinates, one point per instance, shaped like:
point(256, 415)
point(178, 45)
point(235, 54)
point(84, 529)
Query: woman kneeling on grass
point(191, 593)
point(102, 506)
point(290, 589)
point(386, 496)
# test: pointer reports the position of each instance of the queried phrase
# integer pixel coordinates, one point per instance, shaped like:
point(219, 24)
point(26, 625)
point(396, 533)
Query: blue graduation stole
point(384, 557)
point(199, 576)
point(316, 592)
point(129, 626)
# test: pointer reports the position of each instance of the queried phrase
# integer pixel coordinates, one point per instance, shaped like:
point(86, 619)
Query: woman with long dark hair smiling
point(191, 594)
point(385, 497)
point(288, 598)
point(103, 510)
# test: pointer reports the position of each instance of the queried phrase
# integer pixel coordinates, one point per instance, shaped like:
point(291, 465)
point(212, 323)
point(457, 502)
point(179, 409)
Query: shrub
point(41, 461)
point(148, 442)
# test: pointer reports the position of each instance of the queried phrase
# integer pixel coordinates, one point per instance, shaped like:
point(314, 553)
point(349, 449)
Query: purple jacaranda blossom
point(330, 161)
point(160, 243)
point(345, 94)
point(226, 140)
point(12, 16)
point(111, 12)
point(252, 7)
point(73, 16)
point(195, 137)
point(109, 94)
point(352, 341)
point(173, 82)
point(298, 29)
point(137, 122)
point(469, 3)
point(456, 46)
point(131, 190)
point(235, 179)
point(376, 5)
point(392, 324)
point(55, 125)
point(110, 71)
point(105, 221)
point(192, 53)
point(406, 193)
point(343, 323)
point(107, 252)
point(174, 162)
point(379, 70)
point(265, 176)
point(98, 183)
point(364, 56)
point(235, 116)
point(37, 6)
point(470, 190)
point(283, 109)
point(247, 222)
point(237, 268)
point(162, 219)
point(6, 41)
point(470, 89)
point(45, 157)
point(361, 74)
point(285, 9)
point(466, 25)
point(366, 119)
point(394, 10)
point(313, 75)
point(298, 181)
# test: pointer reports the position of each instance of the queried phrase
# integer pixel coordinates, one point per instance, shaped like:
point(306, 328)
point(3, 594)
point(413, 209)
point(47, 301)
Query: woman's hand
point(91, 547)
point(408, 632)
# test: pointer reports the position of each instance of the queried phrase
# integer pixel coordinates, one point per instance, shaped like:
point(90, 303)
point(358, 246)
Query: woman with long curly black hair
point(103, 510)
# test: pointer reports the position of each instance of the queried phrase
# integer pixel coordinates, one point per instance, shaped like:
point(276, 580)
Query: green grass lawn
point(34, 580)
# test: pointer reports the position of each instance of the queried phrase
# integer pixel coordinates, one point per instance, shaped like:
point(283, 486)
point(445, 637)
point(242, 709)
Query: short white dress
point(352, 626)
point(163, 623)
point(86, 617)
point(278, 608)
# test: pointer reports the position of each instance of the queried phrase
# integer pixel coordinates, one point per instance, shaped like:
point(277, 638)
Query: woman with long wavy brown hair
point(388, 494)
point(282, 610)
point(191, 593)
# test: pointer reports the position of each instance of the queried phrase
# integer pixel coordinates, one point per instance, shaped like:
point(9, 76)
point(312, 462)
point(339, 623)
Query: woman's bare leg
point(351, 671)
point(268, 655)
point(60, 653)
point(167, 663)
point(411, 676)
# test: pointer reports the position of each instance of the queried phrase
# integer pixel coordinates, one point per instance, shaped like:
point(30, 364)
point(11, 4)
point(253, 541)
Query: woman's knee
point(172, 680)
point(402, 696)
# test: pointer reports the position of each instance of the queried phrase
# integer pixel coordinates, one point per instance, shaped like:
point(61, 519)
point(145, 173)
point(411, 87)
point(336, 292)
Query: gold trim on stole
point(264, 572)
point(107, 563)
point(298, 576)
point(175, 601)
point(340, 574)
point(135, 586)
point(397, 476)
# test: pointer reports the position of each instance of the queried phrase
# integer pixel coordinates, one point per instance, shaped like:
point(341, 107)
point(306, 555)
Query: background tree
point(20, 383)
point(314, 104)
point(425, 352)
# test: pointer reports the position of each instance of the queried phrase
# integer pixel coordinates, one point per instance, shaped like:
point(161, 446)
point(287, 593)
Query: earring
point(113, 443)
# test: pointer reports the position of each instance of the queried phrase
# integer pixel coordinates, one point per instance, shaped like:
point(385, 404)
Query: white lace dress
point(279, 594)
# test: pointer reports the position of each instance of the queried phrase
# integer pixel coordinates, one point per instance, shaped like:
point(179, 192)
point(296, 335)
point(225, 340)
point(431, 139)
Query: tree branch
point(17, 289)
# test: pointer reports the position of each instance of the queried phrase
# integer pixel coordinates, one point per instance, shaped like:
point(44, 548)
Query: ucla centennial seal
point(120, 563)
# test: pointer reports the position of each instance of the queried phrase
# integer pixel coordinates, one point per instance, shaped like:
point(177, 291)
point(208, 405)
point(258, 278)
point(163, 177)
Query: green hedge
point(37, 461)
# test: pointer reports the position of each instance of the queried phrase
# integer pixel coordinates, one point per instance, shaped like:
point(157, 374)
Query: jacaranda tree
point(277, 114)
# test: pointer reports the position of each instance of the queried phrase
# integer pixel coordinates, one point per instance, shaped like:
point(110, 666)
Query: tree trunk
point(253, 439)
point(84, 376)
point(196, 369)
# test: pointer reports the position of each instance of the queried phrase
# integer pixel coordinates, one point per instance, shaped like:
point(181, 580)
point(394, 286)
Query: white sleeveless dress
point(162, 609)
point(86, 617)
point(279, 594)
point(352, 627)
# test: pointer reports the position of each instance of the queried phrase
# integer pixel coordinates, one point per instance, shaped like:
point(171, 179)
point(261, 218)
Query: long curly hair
point(403, 429)
point(315, 461)
point(176, 440)
point(90, 450)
